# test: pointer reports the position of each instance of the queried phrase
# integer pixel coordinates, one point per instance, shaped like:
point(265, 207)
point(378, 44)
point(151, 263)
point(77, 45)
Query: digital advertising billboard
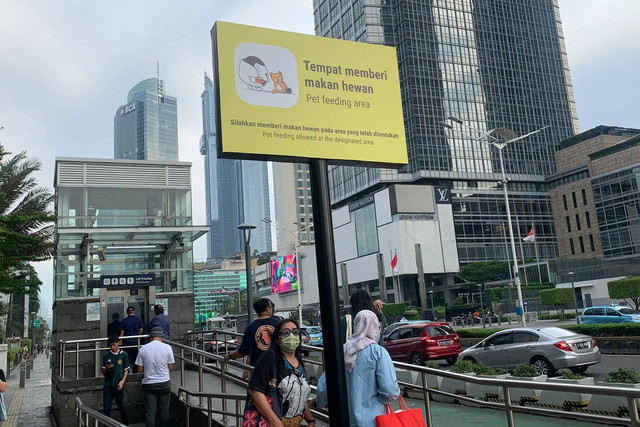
point(284, 274)
point(284, 96)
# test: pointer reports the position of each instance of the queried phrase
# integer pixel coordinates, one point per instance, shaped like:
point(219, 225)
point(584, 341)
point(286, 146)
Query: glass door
point(115, 312)
point(114, 305)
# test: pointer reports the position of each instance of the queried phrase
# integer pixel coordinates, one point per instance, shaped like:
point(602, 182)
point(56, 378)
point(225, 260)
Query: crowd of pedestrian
point(154, 360)
point(279, 387)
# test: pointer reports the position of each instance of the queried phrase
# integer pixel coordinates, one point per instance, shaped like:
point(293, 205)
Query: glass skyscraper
point(491, 63)
point(237, 191)
point(146, 127)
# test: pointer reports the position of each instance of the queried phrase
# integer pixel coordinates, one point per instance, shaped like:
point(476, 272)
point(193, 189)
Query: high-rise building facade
point(237, 191)
point(492, 64)
point(294, 215)
point(146, 127)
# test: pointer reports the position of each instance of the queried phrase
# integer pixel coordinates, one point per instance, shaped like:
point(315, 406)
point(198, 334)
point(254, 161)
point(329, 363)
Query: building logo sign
point(360, 203)
point(127, 280)
point(443, 195)
point(128, 108)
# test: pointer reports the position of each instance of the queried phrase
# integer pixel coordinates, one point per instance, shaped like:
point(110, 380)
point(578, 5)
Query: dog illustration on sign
point(254, 73)
point(279, 86)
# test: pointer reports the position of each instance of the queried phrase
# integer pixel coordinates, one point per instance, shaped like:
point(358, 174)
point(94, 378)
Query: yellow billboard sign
point(289, 96)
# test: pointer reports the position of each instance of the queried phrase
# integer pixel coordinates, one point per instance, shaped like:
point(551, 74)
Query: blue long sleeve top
point(370, 386)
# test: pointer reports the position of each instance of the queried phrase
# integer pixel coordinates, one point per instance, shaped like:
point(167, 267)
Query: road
point(611, 362)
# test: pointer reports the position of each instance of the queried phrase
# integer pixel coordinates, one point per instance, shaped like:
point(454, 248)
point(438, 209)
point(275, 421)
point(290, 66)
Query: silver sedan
point(548, 349)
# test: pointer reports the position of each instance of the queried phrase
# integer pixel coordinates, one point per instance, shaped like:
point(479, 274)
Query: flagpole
point(535, 241)
point(393, 276)
point(524, 262)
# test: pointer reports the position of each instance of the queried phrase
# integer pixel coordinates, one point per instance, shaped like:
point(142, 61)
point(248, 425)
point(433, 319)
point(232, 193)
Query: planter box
point(452, 386)
point(487, 392)
point(613, 405)
point(523, 396)
point(433, 382)
point(565, 400)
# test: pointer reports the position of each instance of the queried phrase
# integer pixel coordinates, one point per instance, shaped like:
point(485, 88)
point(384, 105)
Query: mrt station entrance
point(114, 303)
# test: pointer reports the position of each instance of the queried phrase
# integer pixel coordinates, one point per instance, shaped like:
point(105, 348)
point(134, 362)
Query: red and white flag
point(394, 262)
point(531, 237)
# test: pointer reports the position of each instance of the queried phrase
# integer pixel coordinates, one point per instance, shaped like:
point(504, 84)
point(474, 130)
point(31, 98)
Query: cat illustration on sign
point(279, 86)
point(253, 72)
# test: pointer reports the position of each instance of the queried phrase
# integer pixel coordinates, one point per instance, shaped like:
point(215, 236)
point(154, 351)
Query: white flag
point(531, 237)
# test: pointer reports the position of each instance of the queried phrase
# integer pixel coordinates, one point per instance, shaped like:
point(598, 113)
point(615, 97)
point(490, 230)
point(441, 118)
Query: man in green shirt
point(115, 368)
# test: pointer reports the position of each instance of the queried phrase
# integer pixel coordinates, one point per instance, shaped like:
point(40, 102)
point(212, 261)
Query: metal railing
point(510, 407)
point(185, 396)
point(92, 345)
point(90, 417)
point(213, 362)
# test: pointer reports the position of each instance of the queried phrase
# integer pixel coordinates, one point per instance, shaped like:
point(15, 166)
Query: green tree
point(393, 310)
point(558, 297)
point(483, 272)
point(231, 304)
point(628, 287)
point(25, 218)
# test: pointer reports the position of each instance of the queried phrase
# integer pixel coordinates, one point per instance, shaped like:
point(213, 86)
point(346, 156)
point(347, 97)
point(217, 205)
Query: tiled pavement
point(29, 406)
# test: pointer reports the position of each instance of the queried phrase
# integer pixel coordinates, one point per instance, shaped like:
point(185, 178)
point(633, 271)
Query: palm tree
point(26, 226)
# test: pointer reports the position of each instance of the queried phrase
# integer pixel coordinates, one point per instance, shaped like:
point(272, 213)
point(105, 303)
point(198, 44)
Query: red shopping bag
point(402, 418)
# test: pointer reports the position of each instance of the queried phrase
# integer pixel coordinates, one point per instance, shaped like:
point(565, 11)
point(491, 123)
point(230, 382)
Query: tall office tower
point(237, 191)
point(294, 215)
point(491, 63)
point(146, 127)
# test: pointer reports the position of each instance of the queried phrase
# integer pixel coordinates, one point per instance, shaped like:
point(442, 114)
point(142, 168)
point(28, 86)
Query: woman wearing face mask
point(279, 388)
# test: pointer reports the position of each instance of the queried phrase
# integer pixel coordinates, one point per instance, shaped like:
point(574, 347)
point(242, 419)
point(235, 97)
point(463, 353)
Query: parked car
point(393, 326)
point(220, 343)
point(609, 314)
point(421, 341)
point(316, 335)
point(548, 349)
point(305, 339)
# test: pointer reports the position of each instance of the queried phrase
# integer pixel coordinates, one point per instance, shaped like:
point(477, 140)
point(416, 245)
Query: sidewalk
point(29, 406)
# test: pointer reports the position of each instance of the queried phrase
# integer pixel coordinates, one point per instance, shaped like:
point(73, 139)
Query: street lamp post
point(482, 306)
point(500, 146)
point(575, 300)
point(246, 233)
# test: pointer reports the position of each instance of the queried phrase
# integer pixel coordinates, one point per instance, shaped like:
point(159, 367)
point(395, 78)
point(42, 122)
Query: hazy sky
point(66, 66)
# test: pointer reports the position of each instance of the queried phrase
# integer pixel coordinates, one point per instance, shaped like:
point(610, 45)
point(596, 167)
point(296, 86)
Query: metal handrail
point(96, 348)
point(184, 395)
point(88, 416)
point(201, 359)
point(507, 384)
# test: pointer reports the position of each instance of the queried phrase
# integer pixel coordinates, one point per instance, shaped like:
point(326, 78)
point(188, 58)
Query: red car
point(418, 342)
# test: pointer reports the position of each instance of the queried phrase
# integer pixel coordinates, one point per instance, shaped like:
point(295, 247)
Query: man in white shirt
point(155, 360)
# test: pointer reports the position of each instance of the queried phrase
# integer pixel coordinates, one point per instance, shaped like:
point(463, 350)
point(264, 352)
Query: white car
point(548, 349)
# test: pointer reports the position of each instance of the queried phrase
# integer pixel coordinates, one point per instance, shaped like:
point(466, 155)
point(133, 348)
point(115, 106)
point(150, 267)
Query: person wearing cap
point(160, 319)
point(155, 360)
point(130, 326)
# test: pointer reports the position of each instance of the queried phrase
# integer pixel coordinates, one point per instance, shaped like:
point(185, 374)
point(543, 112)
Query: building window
point(366, 230)
point(588, 217)
point(578, 226)
point(573, 249)
point(568, 224)
point(584, 197)
point(575, 199)
point(593, 246)
point(581, 244)
point(564, 200)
